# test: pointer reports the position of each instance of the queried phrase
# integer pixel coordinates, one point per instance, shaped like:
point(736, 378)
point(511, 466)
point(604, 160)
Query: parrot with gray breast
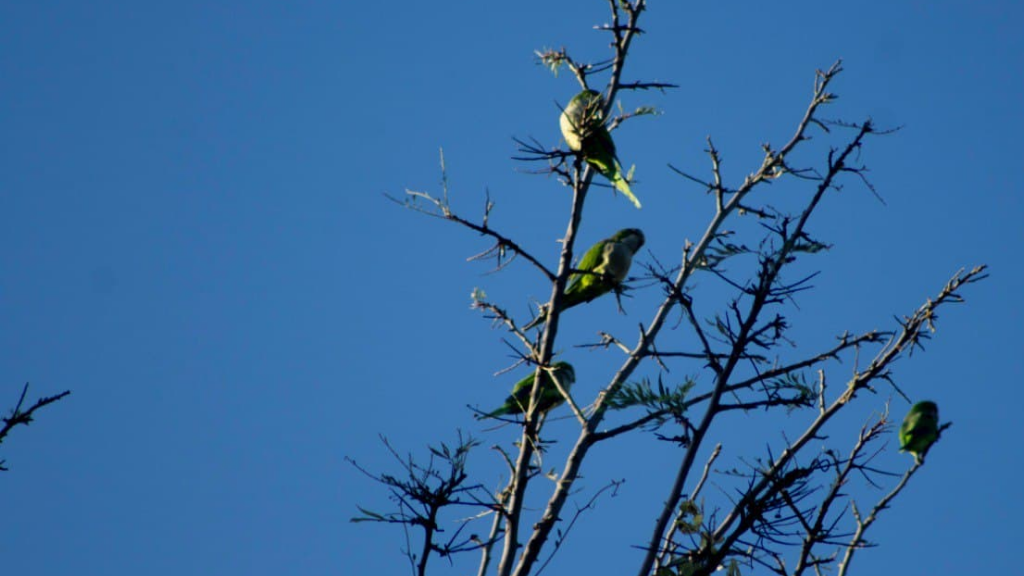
point(582, 124)
point(603, 268)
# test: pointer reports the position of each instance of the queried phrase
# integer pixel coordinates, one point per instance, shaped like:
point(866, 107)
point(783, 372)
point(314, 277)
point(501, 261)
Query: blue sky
point(194, 240)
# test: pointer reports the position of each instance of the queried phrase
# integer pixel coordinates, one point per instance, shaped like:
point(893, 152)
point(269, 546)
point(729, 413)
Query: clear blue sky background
point(193, 238)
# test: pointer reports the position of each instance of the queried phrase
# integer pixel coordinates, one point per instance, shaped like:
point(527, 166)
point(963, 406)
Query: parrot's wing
point(526, 384)
point(592, 259)
point(519, 398)
point(907, 429)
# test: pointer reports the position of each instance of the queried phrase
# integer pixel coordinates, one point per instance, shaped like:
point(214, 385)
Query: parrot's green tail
point(622, 185)
point(614, 175)
point(610, 168)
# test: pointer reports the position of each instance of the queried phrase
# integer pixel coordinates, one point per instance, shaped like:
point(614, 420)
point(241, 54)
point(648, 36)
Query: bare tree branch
point(908, 338)
point(25, 417)
point(782, 500)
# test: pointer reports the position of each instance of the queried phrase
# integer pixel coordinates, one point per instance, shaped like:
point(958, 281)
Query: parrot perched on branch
point(920, 429)
point(582, 123)
point(518, 402)
point(602, 269)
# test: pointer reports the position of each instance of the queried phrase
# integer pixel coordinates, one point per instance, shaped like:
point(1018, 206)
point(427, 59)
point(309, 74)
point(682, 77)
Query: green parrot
point(603, 268)
point(583, 128)
point(920, 429)
point(550, 397)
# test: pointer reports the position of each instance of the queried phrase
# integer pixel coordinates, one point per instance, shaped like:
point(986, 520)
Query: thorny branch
point(24, 417)
point(863, 523)
point(822, 530)
point(771, 168)
point(442, 209)
point(913, 330)
point(424, 492)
